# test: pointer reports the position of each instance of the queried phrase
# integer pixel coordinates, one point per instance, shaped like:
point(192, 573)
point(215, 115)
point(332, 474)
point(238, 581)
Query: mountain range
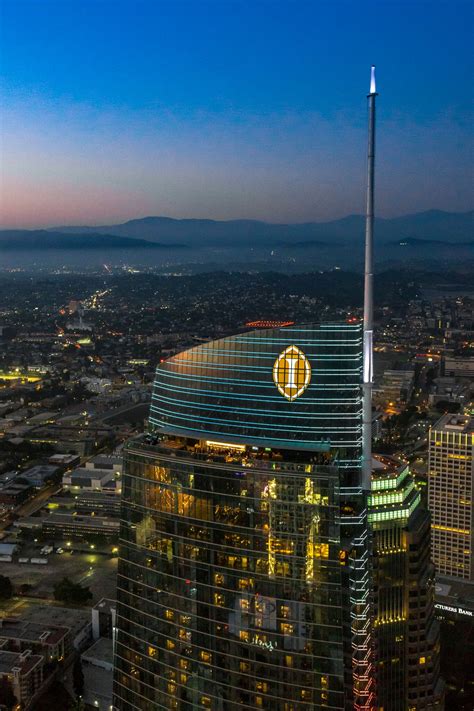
point(49, 239)
point(451, 227)
point(419, 230)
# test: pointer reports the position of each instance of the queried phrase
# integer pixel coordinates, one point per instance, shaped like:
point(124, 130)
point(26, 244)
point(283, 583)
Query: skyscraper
point(450, 495)
point(406, 631)
point(243, 572)
point(249, 514)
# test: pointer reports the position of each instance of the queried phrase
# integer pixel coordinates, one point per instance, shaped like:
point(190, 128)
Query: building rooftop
point(16, 487)
point(8, 477)
point(55, 616)
point(105, 605)
point(104, 459)
point(40, 470)
point(7, 549)
point(31, 631)
point(460, 424)
point(16, 660)
point(81, 520)
point(42, 417)
point(83, 476)
point(386, 466)
point(452, 592)
point(102, 650)
point(62, 458)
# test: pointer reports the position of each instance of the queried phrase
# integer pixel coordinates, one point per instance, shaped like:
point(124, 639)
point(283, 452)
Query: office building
point(459, 366)
point(243, 567)
point(406, 631)
point(244, 577)
point(450, 495)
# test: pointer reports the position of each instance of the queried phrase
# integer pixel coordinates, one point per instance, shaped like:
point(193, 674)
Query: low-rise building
point(97, 667)
point(106, 462)
point(8, 549)
point(103, 619)
point(78, 621)
point(101, 503)
point(65, 438)
point(24, 672)
point(101, 473)
point(17, 635)
point(71, 525)
point(459, 366)
point(84, 479)
point(448, 389)
point(15, 494)
point(37, 476)
point(65, 461)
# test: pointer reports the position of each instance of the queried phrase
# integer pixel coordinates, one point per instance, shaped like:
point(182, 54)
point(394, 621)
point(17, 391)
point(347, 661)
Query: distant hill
point(45, 239)
point(413, 242)
point(450, 227)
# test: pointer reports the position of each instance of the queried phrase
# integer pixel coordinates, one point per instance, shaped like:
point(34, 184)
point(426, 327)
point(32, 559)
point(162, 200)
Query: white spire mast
point(369, 296)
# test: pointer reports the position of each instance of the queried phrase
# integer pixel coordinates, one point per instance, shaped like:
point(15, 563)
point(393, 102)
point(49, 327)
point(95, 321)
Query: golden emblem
point(291, 373)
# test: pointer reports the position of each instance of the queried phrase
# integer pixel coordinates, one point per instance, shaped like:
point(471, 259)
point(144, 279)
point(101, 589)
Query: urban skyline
point(236, 456)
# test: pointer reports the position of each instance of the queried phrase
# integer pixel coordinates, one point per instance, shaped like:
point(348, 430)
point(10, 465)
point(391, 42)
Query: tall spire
point(369, 295)
point(372, 80)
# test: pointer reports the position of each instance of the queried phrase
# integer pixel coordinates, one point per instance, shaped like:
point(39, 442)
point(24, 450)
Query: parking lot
point(90, 569)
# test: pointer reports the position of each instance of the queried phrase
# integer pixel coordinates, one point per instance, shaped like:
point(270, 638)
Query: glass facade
point(406, 632)
point(227, 388)
point(230, 584)
point(243, 579)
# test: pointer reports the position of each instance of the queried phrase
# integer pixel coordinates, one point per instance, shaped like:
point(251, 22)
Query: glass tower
point(243, 575)
point(406, 632)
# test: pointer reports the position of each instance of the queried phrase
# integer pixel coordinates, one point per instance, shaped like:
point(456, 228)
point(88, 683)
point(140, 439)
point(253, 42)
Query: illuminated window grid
point(394, 514)
point(321, 685)
point(171, 562)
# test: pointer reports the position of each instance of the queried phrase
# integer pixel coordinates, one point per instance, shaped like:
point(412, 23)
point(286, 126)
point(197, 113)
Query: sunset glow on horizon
point(194, 110)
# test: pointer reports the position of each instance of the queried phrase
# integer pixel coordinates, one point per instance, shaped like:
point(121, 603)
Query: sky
point(223, 109)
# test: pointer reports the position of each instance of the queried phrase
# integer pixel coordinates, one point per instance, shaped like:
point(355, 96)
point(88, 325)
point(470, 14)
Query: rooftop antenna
point(369, 296)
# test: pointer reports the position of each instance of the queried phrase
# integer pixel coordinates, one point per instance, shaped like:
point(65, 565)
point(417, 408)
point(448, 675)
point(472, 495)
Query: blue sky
point(115, 110)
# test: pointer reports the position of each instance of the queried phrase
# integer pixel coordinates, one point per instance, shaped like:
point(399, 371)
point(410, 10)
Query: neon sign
point(458, 610)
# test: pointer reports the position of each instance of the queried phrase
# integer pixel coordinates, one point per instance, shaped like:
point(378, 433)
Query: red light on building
point(269, 324)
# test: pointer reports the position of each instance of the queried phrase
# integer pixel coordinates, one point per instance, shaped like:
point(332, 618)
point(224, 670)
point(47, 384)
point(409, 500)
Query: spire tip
point(373, 90)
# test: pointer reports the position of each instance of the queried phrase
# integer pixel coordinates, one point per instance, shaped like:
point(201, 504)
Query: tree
point(72, 593)
point(7, 697)
point(78, 679)
point(6, 588)
point(447, 406)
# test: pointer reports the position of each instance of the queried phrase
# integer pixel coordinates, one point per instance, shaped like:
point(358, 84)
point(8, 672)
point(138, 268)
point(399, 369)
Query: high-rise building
point(249, 513)
point(243, 579)
point(451, 495)
point(243, 574)
point(406, 631)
